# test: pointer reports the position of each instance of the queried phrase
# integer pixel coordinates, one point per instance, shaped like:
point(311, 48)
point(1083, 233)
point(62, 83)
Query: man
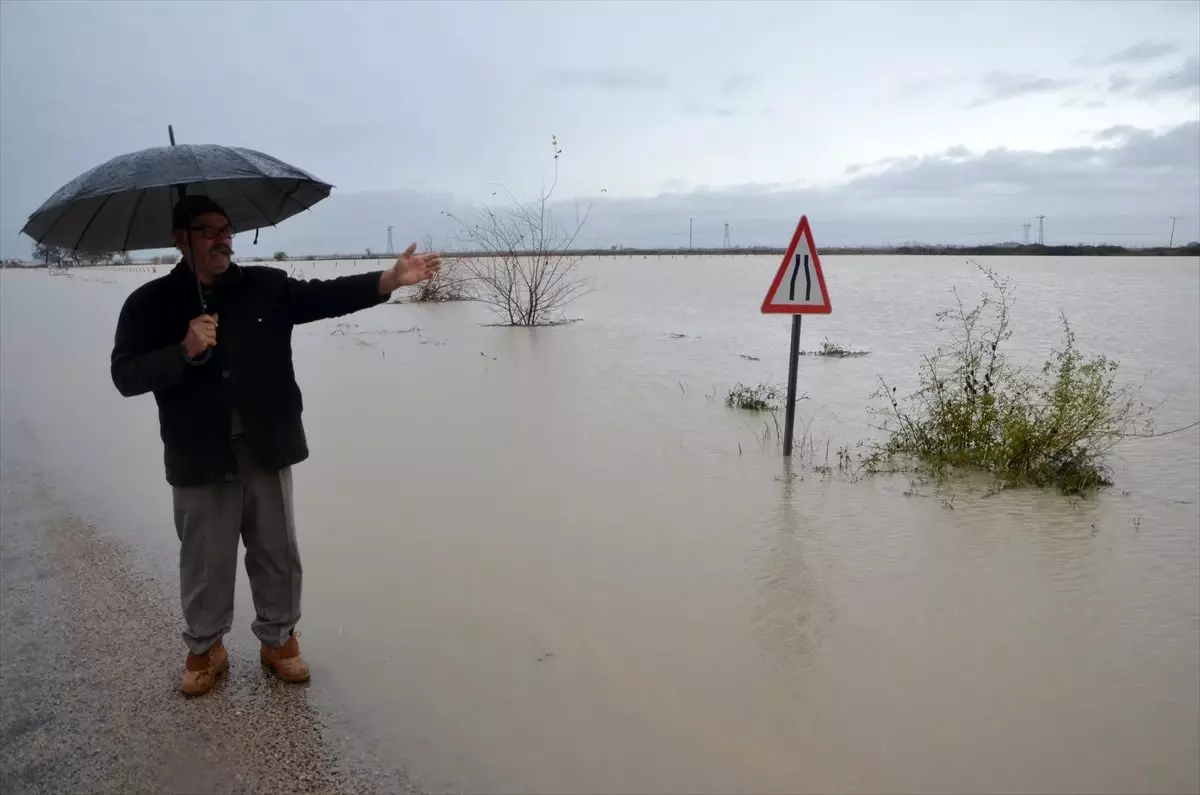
point(229, 416)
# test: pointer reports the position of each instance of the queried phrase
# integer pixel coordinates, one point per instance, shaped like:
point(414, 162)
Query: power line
point(726, 244)
point(1041, 230)
point(1174, 218)
point(390, 249)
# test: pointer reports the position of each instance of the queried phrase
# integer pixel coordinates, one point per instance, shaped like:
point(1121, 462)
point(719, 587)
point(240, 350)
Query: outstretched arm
point(319, 299)
point(410, 268)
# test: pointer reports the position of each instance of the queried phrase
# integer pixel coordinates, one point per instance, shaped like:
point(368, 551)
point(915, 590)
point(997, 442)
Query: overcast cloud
point(1148, 50)
point(885, 122)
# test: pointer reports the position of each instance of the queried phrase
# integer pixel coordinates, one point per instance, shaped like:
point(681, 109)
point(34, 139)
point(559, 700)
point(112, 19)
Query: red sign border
point(768, 308)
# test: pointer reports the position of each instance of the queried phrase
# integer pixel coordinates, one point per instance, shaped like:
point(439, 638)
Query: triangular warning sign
point(799, 286)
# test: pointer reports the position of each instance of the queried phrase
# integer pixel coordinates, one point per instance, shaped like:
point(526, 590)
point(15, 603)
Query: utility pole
point(726, 244)
point(1027, 225)
point(1172, 243)
point(1041, 230)
point(390, 249)
point(689, 233)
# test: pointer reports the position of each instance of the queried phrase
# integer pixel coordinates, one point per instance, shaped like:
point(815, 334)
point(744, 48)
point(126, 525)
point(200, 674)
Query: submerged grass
point(976, 410)
point(761, 397)
point(835, 350)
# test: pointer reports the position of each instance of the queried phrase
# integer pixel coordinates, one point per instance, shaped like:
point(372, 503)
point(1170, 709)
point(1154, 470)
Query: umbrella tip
point(171, 134)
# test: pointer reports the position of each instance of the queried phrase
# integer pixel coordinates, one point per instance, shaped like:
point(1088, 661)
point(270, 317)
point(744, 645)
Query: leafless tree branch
point(527, 271)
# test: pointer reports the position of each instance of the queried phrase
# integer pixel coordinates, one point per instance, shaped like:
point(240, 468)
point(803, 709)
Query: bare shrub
point(452, 282)
point(525, 269)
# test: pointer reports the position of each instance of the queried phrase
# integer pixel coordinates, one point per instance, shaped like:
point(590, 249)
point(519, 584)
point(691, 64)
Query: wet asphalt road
point(90, 659)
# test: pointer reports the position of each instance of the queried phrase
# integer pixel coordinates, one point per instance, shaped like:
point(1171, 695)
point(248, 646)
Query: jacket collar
point(183, 273)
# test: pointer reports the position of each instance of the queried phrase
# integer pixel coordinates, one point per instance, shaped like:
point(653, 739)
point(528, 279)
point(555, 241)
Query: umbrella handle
point(182, 189)
point(195, 274)
point(192, 260)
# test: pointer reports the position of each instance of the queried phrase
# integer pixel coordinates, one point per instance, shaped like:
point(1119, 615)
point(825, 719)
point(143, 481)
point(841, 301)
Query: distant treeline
point(999, 250)
point(1032, 249)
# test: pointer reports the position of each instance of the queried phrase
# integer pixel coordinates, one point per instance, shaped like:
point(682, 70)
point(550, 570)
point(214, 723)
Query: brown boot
point(286, 661)
point(203, 669)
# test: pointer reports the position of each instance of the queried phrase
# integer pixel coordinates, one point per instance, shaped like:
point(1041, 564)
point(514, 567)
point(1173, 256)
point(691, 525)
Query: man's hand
point(201, 335)
point(410, 268)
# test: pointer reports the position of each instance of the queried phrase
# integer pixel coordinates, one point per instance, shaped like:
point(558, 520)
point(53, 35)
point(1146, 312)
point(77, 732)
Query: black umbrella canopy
point(125, 204)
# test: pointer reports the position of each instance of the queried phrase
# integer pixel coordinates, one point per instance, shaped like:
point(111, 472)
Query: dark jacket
point(249, 369)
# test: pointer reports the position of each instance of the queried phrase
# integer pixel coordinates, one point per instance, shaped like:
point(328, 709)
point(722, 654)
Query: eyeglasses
point(214, 232)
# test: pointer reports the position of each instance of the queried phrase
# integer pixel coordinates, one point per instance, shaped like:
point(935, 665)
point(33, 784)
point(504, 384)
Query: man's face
point(211, 240)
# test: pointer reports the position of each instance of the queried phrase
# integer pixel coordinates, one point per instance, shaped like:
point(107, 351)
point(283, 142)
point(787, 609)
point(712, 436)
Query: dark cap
point(189, 207)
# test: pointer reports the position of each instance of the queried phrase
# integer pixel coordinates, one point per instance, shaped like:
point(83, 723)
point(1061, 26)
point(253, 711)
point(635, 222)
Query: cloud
point(1089, 104)
point(1182, 80)
point(999, 86)
point(1115, 192)
point(1140, 164)
point(921, 87)
point(1119, 82)
point(696, 109)
point(1117, 189)
point(1185, 79)
point(912, 89)
point(609, 79)
point(1119, 132)
point(1141, 52)
point(739, 83)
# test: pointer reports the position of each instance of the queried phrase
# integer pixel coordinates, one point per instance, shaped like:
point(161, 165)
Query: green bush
point(976, 410)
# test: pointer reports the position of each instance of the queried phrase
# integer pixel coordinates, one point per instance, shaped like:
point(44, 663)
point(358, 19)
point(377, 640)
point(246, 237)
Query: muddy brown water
point(551, 561)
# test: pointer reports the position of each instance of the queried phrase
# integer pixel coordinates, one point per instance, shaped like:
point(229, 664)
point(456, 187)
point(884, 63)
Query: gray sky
point(884, 122)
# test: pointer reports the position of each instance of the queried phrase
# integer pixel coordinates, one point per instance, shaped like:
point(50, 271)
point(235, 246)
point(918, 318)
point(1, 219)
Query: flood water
point(553, 561)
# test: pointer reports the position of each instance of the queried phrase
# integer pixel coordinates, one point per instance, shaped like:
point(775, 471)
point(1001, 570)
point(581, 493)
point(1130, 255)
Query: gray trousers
point(210, 519)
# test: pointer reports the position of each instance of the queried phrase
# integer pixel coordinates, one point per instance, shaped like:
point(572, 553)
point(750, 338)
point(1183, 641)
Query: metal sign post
point(793, 295)
point(789, 416)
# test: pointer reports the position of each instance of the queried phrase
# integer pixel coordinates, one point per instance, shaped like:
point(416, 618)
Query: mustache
point(221, 249)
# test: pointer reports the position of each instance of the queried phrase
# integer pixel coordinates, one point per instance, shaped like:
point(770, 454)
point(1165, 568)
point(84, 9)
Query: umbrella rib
point(46, 234)
point(132, 217)
point(199, 167)
point(88, 226)
point(254, 204)
point(270, 181)
point(289, 193)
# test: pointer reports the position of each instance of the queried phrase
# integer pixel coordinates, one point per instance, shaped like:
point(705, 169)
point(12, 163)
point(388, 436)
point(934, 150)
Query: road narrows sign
point(799, 285)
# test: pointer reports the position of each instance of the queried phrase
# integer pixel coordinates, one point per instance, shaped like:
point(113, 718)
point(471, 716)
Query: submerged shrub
point(450, 284)
point(975, 410)
point(834, 350)
point(763, 397)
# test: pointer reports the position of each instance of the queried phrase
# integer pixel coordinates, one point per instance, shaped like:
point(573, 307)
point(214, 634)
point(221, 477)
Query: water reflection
point(793, 612)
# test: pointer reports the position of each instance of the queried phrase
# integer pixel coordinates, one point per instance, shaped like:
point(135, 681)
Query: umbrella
point(125, 204)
